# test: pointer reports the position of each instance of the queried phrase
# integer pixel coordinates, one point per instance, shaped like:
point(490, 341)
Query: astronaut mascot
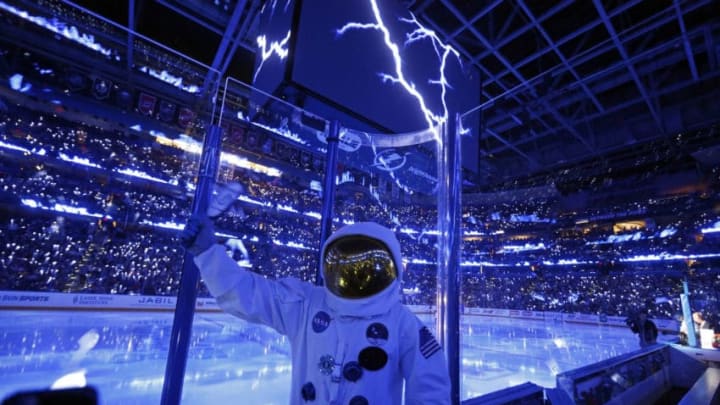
point(353, 341)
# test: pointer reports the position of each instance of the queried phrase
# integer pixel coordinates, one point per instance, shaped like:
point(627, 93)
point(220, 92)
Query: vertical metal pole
point(185, 307)
point(687, 315)
point(326, 219)
point(448, 291)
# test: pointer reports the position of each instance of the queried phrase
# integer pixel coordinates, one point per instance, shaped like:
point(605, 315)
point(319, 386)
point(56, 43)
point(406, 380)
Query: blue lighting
point(712, 229)
point(61, 28)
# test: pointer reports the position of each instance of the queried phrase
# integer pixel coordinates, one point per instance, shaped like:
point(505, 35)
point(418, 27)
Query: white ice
point(231, 361)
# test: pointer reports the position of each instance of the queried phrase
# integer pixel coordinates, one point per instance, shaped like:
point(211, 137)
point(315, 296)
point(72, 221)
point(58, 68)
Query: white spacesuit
point(353, 341)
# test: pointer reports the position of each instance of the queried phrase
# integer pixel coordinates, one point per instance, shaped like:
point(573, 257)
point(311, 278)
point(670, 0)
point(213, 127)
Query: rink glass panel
point(99, 151)
point(391, 179)
point(273, 229)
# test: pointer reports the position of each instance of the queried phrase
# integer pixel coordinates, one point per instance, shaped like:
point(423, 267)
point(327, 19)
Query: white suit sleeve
point(423, 365)
point(251, 296)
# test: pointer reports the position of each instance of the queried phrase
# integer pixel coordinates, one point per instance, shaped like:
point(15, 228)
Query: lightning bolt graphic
point(419, 33)
point(443, 53)
point(278, 48)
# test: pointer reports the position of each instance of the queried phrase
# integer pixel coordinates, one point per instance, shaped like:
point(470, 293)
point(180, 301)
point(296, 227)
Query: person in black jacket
point(644, 327)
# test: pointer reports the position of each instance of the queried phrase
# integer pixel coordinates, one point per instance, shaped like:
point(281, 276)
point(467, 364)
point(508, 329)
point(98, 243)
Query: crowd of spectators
point(519, 254)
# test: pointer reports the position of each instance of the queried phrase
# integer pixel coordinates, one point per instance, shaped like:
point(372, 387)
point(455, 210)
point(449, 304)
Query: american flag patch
point(428, 344)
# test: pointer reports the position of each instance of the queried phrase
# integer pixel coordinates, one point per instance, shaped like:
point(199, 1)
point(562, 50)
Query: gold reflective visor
point(358, 266)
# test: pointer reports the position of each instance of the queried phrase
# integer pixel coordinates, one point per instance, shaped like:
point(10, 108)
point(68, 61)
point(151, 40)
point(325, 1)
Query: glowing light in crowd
point(164, 224)
point(249, 200)
point(295, 245)
point(61, 208)
point(408, 231)
point(171, 79)
point(668, 232)
point(633, 237)
point(420, 261)
point(141, 175)
point(13, 147)
point(714, 228)
point(283, 131)
point(522, 248)
point(286, 208)
point(72, 33)
point(78, 160)
point(532, 218)
point(662, 257)
point(190, 145)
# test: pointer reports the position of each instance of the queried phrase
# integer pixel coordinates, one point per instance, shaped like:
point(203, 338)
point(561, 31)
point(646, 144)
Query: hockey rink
point(123, 354)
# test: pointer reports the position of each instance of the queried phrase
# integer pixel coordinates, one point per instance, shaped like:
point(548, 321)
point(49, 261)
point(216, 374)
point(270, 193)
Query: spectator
point(645, 328)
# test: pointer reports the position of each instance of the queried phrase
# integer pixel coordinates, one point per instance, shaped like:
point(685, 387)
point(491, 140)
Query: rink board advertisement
point(70, 301)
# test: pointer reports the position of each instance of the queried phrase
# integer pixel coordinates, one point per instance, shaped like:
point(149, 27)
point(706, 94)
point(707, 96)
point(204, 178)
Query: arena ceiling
point(566, 84)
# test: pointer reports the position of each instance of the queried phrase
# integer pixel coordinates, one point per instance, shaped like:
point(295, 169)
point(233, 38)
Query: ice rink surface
point(123, 354)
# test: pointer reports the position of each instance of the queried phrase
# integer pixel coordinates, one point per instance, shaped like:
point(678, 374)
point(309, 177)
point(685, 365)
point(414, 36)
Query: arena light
point(14, 147)
point(712, 229)
point(78, 160)
point(287, 208)
point(283, 131)
point(139, 174)
point(531, 218)
point(253, 201)
point(663, 257)
point(169, 78)
point(190, 145)
point(522, 248)
point(668, 232)
point(59, 208)
point(61, 28)
point(164, 225)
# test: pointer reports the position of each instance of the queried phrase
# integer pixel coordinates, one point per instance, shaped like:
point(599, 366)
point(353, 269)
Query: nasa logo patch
point(377, 334)
point(321, 321)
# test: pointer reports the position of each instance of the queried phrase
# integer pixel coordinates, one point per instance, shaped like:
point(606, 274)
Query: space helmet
point(360, 260)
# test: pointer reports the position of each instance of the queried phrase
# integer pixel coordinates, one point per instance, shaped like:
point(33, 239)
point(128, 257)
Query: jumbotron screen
point(374, 59)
